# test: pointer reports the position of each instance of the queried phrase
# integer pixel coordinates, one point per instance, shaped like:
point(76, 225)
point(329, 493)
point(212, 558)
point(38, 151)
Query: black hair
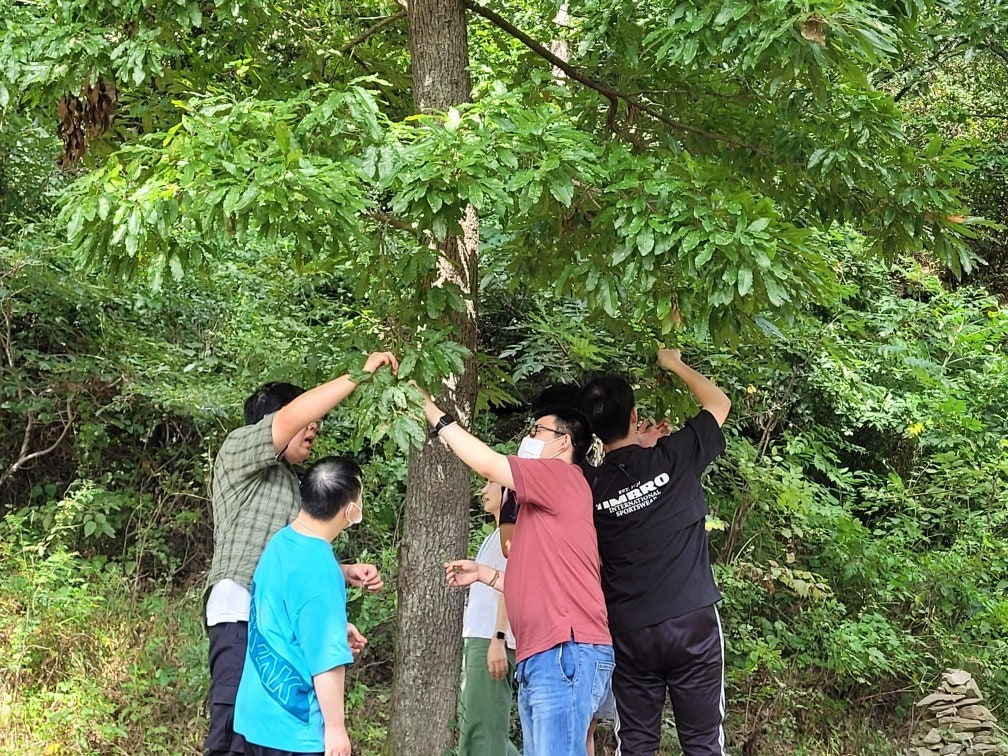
point(571, 422)
point(608, 402)
point(329, 485)
point(269, 398)
point(558, 395)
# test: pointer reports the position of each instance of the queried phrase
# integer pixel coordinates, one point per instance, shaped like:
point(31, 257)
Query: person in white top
point(488, 657)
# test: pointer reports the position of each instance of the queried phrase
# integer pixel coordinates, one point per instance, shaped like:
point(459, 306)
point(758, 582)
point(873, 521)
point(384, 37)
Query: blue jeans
point(558, 691)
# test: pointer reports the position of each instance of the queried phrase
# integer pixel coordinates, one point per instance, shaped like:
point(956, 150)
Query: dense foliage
point(864, 543)
point(807, 184)
point(723, 144)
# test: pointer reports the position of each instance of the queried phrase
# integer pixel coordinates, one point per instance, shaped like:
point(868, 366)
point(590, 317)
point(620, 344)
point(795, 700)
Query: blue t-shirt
point(297, 629)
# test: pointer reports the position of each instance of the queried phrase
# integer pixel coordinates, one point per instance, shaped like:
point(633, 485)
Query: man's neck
point(628, 440)
point(325, 530)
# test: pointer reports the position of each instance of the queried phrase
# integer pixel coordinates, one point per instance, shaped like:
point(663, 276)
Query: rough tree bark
point(436, 520)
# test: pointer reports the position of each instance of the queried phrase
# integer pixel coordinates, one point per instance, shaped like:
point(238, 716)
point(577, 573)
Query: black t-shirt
point(649, 515)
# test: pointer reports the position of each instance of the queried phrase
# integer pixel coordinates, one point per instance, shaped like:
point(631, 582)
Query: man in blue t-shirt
point(650, 517)
point(290, 699)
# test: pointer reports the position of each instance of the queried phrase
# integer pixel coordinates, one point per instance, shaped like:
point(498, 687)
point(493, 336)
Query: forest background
point(197, 197)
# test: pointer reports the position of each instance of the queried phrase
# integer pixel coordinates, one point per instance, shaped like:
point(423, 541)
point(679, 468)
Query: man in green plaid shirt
point(255, 494)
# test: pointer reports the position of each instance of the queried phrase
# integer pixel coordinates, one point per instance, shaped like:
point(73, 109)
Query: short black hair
point(329, 485)
point(269, 398)
point(558, 395)
point(608, 402)
point(571, 422)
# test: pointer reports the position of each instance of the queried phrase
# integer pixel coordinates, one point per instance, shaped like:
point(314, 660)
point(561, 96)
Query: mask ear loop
point(561, 450)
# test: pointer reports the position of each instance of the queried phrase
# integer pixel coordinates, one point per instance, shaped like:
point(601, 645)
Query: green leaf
point(607, 296)
point(562, 189)
point(132, 244)
point(175, 265)
point(775, 292)
point(745, 278)
point(933, 147)
point(726, 14)
point(76, 224)
point(283, 135)
point(247, 198)
point(691, 241)
point(645, 240)
point(103, 207)
point(688, 51)
point(705, 254)
point(407, 364)
point(435, 302)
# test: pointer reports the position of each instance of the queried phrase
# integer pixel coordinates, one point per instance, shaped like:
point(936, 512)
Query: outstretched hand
point(376, 359)
point(461, 572)
point(365, 576)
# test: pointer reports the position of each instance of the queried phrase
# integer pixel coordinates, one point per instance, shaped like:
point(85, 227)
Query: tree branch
point(8, 340)
point(998, 50)
point(25, 443)
point(23, 458)
point(611, 94)
point(921, 68)
point(372, 30)
point(390, 220)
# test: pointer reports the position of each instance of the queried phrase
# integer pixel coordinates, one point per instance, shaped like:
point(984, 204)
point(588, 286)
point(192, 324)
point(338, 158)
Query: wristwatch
point(500, 635)
point(444, 421)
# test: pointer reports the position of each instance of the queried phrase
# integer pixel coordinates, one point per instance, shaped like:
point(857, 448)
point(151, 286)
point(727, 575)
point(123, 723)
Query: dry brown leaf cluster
point(814, 29)
point(84, 118)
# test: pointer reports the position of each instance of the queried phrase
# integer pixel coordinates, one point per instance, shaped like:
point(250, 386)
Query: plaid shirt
point(255, 493)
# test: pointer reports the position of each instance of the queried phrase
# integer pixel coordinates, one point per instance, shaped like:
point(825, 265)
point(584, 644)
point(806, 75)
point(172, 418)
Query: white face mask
point(530, 448)
point(358, 518)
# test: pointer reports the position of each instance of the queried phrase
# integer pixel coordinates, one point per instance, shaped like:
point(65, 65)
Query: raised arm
point(479, 457)
point(711, 398)
point(316, 402)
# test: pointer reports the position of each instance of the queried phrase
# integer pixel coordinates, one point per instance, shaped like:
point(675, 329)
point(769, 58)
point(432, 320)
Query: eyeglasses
point(318, 424)
point(536, 427)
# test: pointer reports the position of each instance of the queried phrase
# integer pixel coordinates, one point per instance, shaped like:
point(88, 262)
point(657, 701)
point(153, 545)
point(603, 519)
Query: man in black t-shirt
point(650, 517)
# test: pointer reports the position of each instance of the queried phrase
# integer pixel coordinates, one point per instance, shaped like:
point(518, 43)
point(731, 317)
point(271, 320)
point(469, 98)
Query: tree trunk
point(439, 47)
point(439, 488)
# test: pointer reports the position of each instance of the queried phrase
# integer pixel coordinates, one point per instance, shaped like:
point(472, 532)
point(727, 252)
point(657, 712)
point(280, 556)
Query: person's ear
point(634, 419)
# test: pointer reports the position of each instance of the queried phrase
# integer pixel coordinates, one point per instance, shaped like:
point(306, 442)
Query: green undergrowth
point(90, 667)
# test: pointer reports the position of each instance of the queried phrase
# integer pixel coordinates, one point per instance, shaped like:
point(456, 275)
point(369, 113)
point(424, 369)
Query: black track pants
point(228, 642)
point(685, 657)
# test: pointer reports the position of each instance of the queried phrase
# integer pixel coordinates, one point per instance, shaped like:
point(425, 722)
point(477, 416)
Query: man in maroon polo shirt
point(552, 588)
